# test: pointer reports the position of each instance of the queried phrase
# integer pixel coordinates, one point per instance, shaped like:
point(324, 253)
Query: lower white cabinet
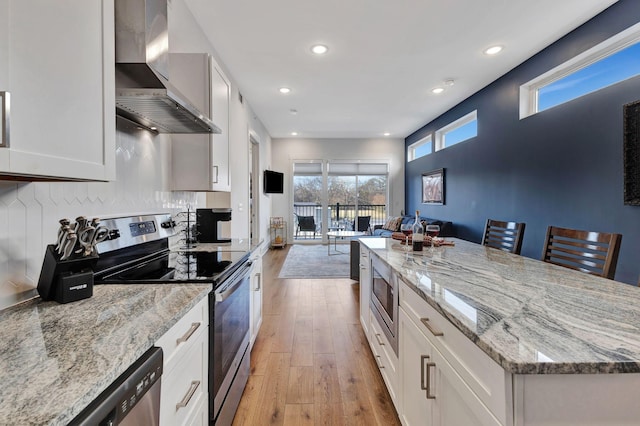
point(386, 358)
point(432, 392)
point(256, 297)
point(184, 390)
point(365, 287)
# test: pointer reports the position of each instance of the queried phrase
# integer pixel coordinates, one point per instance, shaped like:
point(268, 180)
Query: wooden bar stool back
point(506, 236)
point(595, 253)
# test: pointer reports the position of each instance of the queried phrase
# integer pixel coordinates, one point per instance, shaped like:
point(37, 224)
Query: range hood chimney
point(143, 92)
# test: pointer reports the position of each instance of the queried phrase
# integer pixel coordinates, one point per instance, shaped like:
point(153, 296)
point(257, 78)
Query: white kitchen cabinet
point(432, 392)
point(365, 288)
point(184, 388)
point(386, 358)
point(463, 385)
point(201, 162)
point(256, 296)
point(57, 62)
point(415, 352)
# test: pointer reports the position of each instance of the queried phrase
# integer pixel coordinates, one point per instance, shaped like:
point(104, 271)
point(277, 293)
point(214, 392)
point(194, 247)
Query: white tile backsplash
point(29, 212)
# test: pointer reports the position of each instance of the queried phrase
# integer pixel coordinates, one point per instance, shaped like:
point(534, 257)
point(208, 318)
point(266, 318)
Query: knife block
point(66, 280)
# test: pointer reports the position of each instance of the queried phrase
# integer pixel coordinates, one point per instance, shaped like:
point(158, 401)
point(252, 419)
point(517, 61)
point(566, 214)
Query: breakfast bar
point(560, 336)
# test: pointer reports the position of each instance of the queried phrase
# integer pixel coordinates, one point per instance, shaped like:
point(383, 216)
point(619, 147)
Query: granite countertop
point(55, 359)
point(529, 316)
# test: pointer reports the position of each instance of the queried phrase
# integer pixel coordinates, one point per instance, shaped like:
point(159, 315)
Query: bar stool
point(595, 253)
point(506, 236)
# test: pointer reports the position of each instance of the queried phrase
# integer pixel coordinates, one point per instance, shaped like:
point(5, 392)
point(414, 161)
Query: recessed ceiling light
point(449, 82)
point(293, 111)
point(294, 133)
point(319, 49)
point(437, 90)
point(493, 50)
point(386, 133)
point(284, 90)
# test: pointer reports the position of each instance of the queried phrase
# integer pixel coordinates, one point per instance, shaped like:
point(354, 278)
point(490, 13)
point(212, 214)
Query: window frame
point(411, 149)
point(441, 133)
point(529, 91)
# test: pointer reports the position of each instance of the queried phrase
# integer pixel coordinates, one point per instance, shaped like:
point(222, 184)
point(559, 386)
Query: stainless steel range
point(138, 251)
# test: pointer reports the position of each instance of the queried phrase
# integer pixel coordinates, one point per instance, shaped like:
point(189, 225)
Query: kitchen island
point(55, 359)
point(560, 337)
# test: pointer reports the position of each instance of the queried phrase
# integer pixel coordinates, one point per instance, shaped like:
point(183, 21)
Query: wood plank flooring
point(311, 363)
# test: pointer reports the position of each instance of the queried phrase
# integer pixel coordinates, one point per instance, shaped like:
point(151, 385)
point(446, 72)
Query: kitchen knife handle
point(5, 101)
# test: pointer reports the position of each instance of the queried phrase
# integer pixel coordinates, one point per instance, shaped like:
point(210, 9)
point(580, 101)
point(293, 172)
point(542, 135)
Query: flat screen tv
point(273, 182)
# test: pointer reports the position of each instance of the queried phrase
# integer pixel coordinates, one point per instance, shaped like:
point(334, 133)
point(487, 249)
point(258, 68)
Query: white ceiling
point(385, 56)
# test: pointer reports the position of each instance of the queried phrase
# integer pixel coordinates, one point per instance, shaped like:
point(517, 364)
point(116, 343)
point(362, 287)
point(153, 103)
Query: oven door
point(229, 366)
point(384, 300)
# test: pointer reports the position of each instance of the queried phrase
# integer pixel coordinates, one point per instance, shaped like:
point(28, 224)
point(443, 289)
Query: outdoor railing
point(340, 215)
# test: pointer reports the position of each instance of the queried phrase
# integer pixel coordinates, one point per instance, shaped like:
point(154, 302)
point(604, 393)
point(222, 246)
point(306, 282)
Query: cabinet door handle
point(258, 281)
point(379, 363)
point(5, 100)
point(215, 173)
point(433, 331)
point(422, 359)
point(189, 395)
point(380, 342)
point(188, 334)
point(429, 365)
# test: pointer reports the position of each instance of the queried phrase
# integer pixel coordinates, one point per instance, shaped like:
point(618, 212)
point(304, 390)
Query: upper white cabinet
point(57, 65)
point(201, 162)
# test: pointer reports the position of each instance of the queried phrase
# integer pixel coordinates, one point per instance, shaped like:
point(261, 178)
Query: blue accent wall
point(560, 167)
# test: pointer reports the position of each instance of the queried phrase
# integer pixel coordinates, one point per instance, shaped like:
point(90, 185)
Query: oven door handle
point(224, 293)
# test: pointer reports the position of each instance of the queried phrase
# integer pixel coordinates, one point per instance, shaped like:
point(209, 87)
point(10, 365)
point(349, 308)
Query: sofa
point(446, 227)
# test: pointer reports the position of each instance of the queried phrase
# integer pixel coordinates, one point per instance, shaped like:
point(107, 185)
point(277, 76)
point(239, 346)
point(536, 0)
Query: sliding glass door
point(337, 195)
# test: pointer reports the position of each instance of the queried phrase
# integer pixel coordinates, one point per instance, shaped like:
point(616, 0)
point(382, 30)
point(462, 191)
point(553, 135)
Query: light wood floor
point(311, 364)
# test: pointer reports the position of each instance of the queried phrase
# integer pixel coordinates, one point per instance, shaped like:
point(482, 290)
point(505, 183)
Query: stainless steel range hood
point(144, 94)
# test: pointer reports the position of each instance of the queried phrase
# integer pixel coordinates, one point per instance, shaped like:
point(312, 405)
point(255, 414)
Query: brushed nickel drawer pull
point(187, 398)
point(433, 331)
point(429, 365)
point(380, 342)
point(258, 281)
point(189, 333)
point(215, 168)
point(422, 359)
point(5, 115)
point(379, 364)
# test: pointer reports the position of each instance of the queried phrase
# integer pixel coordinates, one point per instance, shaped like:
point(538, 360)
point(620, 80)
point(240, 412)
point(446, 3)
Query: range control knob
point(114, 234)
point(168, 224)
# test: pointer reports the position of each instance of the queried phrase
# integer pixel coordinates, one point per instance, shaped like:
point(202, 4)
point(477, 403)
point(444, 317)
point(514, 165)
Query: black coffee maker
point(208, 223)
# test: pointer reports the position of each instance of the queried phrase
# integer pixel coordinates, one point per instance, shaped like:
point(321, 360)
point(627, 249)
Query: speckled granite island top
point(529, 316)
point(55, 359)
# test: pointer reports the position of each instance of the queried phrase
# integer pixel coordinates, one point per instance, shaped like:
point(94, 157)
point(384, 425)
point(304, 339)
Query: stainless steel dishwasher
point(132, 399)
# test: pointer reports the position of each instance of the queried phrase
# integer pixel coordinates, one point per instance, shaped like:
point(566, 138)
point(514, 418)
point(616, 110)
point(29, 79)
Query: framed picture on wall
point(632, 154)
point(433, 187)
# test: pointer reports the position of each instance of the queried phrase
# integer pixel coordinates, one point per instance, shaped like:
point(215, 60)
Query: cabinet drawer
point(184, 386)
point(186, 330)
point(488, 380)
point(385, 358)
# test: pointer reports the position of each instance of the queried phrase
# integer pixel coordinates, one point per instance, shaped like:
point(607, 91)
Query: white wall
point(29, 212)
point(286, 151)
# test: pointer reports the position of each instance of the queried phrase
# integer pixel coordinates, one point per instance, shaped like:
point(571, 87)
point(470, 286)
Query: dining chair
point(595, 253)
point(506, 236)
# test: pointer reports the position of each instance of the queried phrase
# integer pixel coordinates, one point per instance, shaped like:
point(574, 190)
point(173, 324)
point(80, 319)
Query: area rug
point(312, 261)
